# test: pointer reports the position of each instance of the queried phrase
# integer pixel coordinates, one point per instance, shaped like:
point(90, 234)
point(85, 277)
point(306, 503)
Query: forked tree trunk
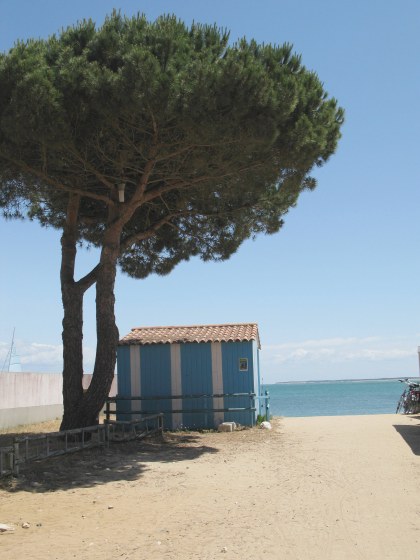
point(82, 408)
point(72, 297)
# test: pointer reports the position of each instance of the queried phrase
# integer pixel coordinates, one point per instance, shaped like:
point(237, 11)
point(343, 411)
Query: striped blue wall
point(124, 380)
point(196, 379)
point(123, 370)
point(155, 379)
point(187, 369)
point(236, 381)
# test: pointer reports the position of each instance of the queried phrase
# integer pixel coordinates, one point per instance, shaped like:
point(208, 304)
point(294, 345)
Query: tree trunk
point(106, 330)
point(72, 297)
point(82, 408)
point(72, 354)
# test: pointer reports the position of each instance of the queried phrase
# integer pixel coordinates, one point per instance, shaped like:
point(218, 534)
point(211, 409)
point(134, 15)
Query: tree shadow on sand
point(88, 468)
point(411, 434)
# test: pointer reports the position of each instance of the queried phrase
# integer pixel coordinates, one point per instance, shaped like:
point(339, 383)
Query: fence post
point(107, 426)
point(11, 459)
point(267, 406)
point(252, 405)
point(15, 459)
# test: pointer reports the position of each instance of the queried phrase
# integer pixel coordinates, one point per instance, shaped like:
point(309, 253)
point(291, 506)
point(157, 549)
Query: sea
point(335, 398)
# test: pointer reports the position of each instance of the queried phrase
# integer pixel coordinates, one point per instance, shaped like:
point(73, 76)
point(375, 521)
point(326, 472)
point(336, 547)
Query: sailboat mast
point(8, 359)
point(11, 349)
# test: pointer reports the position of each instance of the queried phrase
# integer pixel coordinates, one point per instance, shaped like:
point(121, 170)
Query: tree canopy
point(229, 133)
point(155, 141)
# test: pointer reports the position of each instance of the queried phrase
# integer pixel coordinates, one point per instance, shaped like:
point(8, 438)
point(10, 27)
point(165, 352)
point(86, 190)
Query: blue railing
point(205, 408)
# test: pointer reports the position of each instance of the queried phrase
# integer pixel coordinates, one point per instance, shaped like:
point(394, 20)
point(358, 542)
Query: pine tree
point(155, 142)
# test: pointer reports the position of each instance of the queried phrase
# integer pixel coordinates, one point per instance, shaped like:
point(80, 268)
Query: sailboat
point(12, 362)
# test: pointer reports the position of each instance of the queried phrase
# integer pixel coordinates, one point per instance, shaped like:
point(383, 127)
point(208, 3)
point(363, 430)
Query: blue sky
point(335, 293)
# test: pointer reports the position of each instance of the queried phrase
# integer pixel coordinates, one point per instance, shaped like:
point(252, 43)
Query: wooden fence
point(34, 448)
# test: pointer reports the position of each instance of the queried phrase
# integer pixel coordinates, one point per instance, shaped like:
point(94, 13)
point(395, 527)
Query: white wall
point(33, 397)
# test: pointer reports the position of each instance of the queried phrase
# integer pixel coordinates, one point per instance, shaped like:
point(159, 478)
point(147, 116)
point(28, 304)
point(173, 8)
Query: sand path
point(312, 488)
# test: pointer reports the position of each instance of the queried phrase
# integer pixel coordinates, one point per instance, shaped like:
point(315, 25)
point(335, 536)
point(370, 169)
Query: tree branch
point(53, 183)
point(89, 279)
point(148, 233)
point(167, 220)
point(92, 169)
point(155, 192)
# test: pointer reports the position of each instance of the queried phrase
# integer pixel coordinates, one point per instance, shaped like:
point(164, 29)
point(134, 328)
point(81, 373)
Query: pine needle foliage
point(231, 131)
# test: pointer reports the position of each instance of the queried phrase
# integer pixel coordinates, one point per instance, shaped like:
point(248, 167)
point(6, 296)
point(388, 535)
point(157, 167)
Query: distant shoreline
point(342, 380)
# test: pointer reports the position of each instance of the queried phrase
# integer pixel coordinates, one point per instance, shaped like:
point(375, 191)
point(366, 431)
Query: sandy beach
point(311, 488)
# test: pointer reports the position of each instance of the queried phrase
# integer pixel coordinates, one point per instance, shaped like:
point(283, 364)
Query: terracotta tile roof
point(233, 332)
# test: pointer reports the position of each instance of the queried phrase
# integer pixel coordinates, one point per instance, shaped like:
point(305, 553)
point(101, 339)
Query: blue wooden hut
point(180, 370)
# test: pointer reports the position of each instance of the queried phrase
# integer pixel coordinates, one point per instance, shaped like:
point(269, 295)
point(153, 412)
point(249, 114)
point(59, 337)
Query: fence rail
point(135, 429)
point(265, 399)
point(169, 397)
point(33, 448)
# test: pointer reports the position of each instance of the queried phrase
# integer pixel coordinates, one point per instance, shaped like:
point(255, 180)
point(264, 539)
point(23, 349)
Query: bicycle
point(409, 402)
